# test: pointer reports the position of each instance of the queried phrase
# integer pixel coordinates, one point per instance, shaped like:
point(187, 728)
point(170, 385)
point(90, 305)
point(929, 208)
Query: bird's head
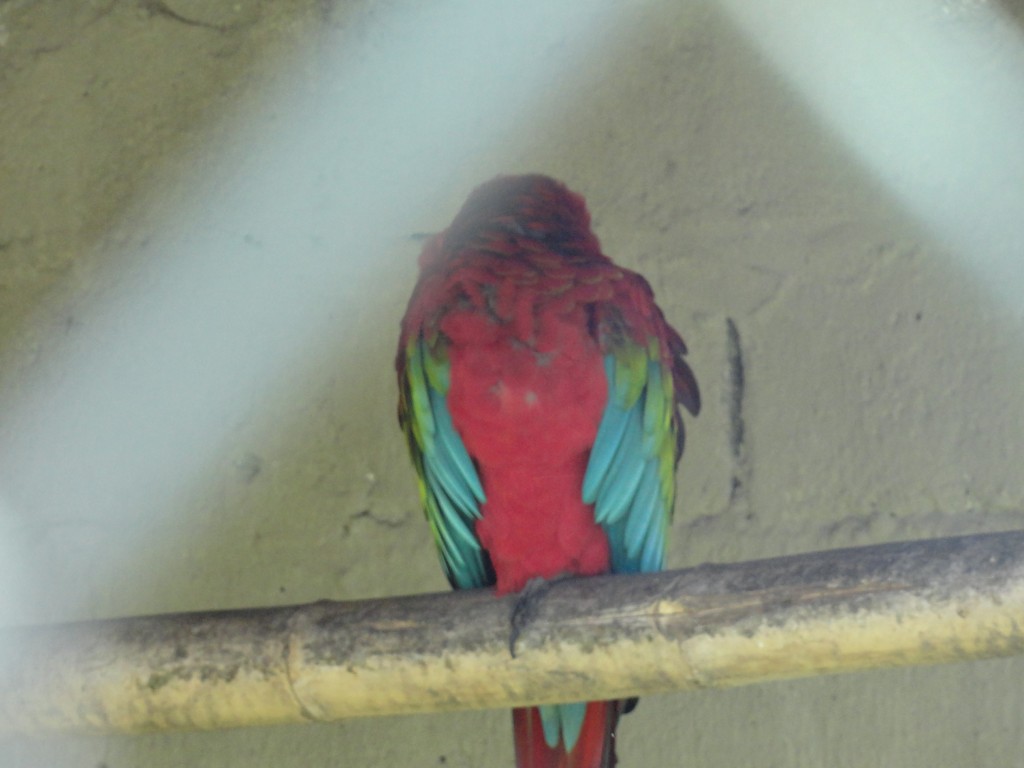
point(516, 214)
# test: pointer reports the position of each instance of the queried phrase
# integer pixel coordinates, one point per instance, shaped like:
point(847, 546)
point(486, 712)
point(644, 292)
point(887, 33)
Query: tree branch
point(607, 637)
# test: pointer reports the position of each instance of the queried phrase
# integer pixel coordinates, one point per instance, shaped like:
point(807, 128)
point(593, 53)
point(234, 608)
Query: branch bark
point(713, 626)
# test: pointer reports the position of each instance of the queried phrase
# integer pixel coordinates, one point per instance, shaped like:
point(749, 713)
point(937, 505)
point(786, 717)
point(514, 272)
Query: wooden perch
point(713, 626)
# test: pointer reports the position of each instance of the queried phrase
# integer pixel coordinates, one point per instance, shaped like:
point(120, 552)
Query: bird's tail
point(594, 747)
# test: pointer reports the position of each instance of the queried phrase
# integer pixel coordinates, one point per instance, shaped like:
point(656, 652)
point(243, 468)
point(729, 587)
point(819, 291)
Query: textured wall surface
point(880, 396)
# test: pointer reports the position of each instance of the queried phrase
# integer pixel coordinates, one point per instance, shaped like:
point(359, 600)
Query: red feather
point(595, 747)
point(519, 298)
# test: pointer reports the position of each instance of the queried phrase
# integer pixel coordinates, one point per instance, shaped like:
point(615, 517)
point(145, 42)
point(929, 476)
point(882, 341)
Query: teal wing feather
point(630, 477)
point(449, 485)
point(630, 480)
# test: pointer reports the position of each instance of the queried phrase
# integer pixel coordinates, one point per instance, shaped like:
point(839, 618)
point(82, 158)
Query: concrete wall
point(882, 372)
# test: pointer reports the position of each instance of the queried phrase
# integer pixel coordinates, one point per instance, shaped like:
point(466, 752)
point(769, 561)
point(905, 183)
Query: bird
point(540, 393)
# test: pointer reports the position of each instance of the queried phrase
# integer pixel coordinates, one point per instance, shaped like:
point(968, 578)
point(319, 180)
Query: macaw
point(540, 394)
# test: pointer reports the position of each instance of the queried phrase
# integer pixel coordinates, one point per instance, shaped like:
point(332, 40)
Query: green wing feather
point(630, 477)
point(449, 486)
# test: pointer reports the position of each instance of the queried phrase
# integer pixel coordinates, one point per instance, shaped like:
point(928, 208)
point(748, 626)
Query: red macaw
point(540, 393)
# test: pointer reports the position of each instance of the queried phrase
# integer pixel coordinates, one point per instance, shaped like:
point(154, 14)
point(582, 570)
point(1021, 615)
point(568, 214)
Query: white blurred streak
point(239, 291)
point(930, 96)
point(16, 571)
